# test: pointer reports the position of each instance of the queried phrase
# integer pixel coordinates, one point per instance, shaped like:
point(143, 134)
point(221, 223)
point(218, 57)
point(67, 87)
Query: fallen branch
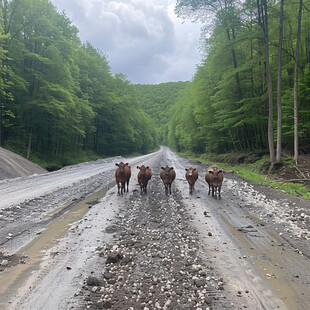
point(300, 171)
point(296, 180)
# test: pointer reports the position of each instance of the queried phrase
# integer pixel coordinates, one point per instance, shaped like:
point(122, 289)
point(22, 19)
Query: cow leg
point(212, 191)
point(119, 187)
point(209, 190)
point(219, 189)
point(166, 188)
point(127, 185)
point(170, 188)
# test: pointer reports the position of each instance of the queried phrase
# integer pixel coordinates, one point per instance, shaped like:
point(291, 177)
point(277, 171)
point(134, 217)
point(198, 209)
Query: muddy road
point(68, 241)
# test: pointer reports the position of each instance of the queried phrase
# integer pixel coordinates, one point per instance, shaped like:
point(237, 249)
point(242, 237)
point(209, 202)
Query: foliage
point(156, 100)
point(228, 95)
point(59, 95)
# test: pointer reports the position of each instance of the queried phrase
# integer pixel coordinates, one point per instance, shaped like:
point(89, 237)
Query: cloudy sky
point(142, 39)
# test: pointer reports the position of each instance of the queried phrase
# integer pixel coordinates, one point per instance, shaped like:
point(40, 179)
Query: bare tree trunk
point(269, 82)
point(0, 129)
point(279, 88)
point(234, 58)
point(29, 144)
point(296, 85)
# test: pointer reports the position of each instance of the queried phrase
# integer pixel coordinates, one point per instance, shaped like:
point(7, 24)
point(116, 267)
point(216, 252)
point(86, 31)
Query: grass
point(252, 172)
point(49, 162)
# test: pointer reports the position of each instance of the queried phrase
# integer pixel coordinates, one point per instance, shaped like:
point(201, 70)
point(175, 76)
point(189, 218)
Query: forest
point(251, 93)
point(59, 100)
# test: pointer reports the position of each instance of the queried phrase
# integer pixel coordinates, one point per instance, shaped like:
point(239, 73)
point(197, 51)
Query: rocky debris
point(8, 260)
point(154, 261)
point(114, 258)
point(4, 263)
point(288, 215)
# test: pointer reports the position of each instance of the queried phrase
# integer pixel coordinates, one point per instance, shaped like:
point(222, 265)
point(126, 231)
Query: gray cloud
point(142, 39)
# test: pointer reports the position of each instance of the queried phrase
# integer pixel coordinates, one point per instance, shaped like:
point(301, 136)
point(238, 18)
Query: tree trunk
point(234, 58)
point(279, 88)
point(269, 82)
point(296, 85)
point(0, 128)
point(29, 144)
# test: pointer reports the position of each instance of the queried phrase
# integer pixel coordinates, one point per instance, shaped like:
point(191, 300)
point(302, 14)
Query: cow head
point(190, 171)
point(215, 172)
point(121, 167)
point(167, 170)
point(142, 169)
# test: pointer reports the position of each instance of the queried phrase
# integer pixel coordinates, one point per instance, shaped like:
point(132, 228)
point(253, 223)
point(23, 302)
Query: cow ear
point(194, 168)
point(220, 171)
point(186, 169)
point(147, 167)
point(171, 168)
point(127, 164)
point(117, 165)
point(162, 168)
point(138, 167)
point(210, 171)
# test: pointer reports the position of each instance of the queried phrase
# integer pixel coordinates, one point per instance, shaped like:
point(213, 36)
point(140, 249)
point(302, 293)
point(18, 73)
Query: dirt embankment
point(14, 166)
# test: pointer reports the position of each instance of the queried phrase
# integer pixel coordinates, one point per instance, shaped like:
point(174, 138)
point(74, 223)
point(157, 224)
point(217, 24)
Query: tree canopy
point(228, 106)
point(58, 95)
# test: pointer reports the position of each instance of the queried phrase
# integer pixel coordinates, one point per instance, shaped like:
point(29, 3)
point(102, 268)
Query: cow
point(167, 174)
point(214, 178)
point(144, 175)
point(191, 176)
point(122, 176)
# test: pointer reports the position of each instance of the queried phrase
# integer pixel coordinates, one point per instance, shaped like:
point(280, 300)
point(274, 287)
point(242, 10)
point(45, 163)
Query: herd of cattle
point(213, 176)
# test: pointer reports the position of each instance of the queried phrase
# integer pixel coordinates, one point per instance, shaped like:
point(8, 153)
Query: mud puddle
point(15, 277)
point(261, 257)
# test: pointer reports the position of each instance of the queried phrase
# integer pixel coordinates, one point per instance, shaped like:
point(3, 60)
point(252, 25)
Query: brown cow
point(214, 178)
point(144, 175)
point(191, 176)
point(167, 174)
point(122, 175)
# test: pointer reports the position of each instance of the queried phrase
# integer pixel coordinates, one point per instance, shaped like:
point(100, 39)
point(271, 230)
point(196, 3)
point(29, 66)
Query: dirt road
point(69, 242)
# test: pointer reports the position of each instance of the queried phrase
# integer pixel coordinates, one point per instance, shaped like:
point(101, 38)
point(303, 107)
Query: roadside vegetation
point(256, 172)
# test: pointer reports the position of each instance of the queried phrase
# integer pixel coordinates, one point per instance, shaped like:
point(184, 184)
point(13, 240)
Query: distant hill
point(14, 166)
point(156, 100)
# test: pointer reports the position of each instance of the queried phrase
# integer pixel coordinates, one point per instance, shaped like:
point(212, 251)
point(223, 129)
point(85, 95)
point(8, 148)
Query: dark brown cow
point(214, 178)
point(167, 174)
point(122, 175)
point(191, 176)
point(144, 175)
